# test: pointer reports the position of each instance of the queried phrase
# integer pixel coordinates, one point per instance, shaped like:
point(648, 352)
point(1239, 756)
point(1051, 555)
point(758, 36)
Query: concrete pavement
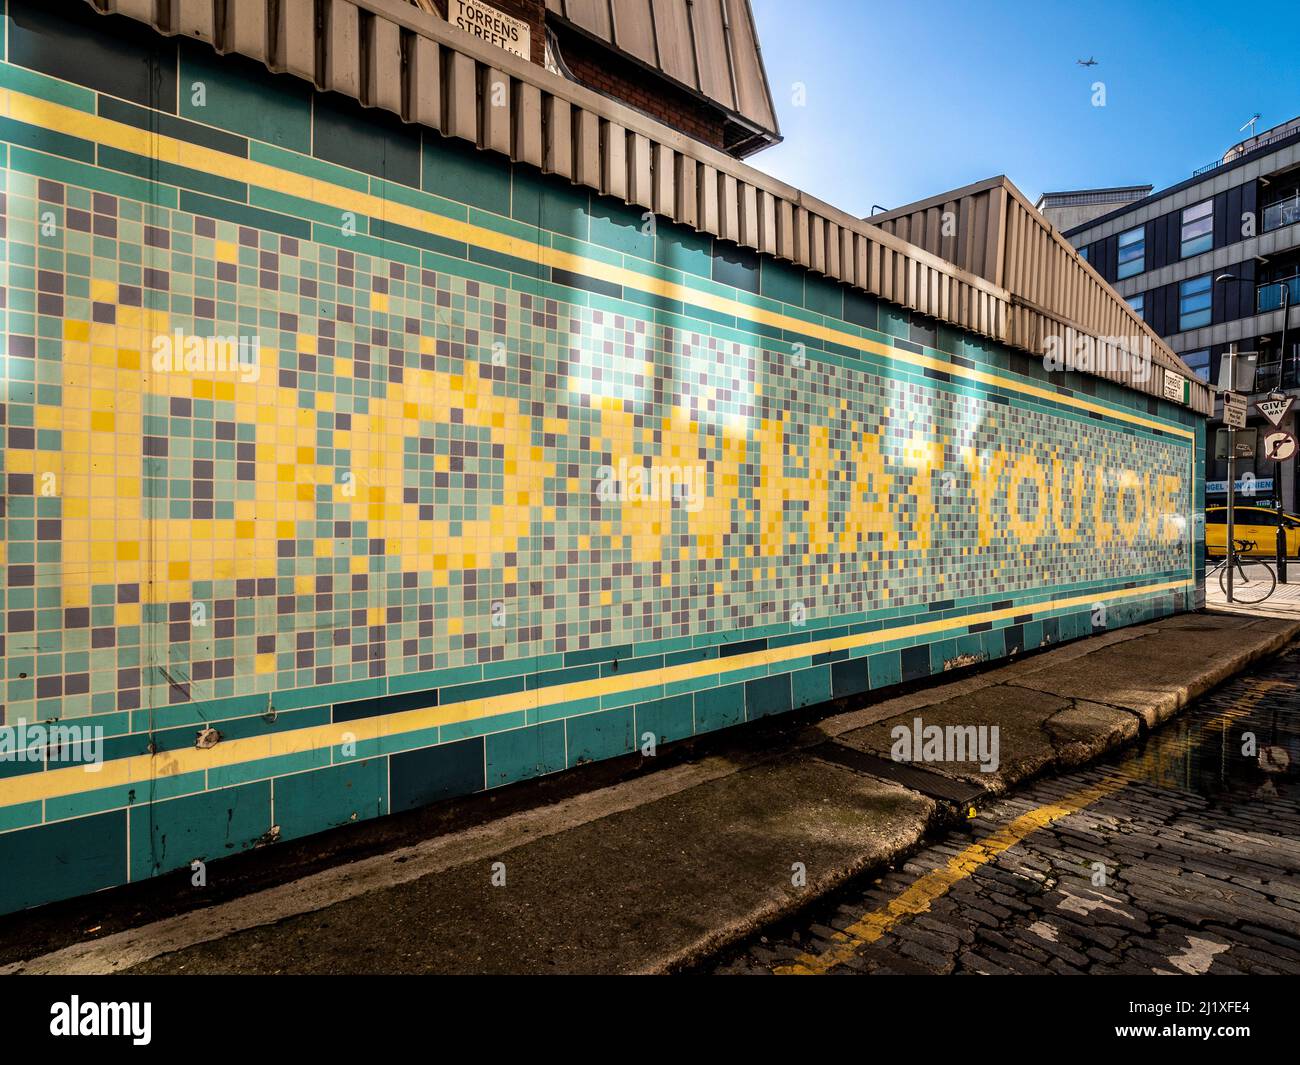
point(1178, 855)
point(1283, 603)
point(658, 872)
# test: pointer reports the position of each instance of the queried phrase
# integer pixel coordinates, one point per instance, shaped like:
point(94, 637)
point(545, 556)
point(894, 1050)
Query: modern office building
point(1213, 261)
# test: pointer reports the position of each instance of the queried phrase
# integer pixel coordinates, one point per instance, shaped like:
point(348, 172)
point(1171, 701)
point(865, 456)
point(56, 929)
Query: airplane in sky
point(1089, 62)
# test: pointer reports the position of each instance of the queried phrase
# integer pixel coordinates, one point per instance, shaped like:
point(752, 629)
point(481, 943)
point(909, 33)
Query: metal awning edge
point(403, 60)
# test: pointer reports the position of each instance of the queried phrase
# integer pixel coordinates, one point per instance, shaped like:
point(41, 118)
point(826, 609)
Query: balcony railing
point(1270, 296)
point(1282, 213)
point(1267, 378)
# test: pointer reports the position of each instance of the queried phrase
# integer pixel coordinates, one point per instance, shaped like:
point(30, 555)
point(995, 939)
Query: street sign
point(1234, 410)
point(1275, 409)
point(1243, 444)
point(1177, 387)
point(1279, 446)
point(489, 24)
point(1243, 369)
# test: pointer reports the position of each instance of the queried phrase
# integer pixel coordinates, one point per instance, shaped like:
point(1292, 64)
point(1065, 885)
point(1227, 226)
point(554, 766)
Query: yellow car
point(1251, 523)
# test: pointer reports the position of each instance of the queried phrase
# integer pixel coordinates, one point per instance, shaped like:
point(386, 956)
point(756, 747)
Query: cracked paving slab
point(1036, 732)
point(1182, 858)
point(640, 889)
point(1149, 675)
point(708, 847)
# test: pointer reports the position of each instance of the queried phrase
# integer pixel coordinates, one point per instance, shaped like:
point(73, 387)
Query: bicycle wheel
point(1253, 581)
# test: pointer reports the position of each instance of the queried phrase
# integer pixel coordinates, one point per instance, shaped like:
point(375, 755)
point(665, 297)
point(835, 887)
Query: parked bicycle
point(1253, 579)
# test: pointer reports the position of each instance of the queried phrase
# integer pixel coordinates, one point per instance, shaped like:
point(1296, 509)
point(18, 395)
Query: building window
point(1139, 304)
point(1194, 300)
point(1132, 252)
point(1083, 254)
point(1199, 363)
point(1198, 229)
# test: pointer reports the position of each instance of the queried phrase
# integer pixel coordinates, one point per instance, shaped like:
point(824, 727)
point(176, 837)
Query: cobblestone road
point(1183, 857)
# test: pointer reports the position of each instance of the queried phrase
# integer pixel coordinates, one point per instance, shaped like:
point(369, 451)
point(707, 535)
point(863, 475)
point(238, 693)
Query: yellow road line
point(43, 113)
point(1248, 702)
point(917, 898)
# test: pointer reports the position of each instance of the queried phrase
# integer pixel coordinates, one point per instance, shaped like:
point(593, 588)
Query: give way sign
point(1274, 409)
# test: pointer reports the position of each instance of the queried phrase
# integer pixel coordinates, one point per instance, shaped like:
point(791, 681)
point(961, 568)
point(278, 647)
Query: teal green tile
point(621, 228)
point(245, 216)
point(525, 753)
point(824, 296)
point(263, 768)
point(45, 140)
point(592, 737)
point(405, 741)
point(29, 82)
point(215, 824)
point(424, 201)
point(20, 815)
point(684, 250)
point(101, 799)
point(236, 94)
point(63, 859)
point(811, 686)
point(766, 696)
point(691, 684)
point(459, 172)
point(460, 730)
point(550, 203)
point(665, 720)
point(783, 282)
point(306, 166)
point(718, 708)
point(885, 669)
point(329, 797)
point(559, 711)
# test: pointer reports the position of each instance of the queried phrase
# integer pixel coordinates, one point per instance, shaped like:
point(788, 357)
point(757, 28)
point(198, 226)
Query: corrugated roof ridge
point(437, 78)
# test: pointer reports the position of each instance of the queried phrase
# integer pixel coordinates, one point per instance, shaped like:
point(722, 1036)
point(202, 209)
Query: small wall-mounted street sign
point(1279, 446)
point(488, 24)
point(1275, 409)
point(1234, 410)
point(1177, 387)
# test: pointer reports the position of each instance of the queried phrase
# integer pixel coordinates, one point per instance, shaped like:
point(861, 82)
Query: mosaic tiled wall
point(486, 478)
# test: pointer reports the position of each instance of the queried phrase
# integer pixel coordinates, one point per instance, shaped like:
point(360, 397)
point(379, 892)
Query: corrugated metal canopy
point(708, 46)
point(990, 230)
point(427, 71)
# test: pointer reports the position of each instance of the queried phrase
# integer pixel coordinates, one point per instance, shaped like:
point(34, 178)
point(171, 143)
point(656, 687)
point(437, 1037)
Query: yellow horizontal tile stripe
point(139, 769)
point(53, 116)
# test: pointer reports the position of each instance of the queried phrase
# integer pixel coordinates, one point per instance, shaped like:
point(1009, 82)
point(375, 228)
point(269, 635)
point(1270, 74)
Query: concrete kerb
point(1078, 730)
point(1086, 731)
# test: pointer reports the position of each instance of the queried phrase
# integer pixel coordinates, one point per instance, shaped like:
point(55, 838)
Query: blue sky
point(906, 99)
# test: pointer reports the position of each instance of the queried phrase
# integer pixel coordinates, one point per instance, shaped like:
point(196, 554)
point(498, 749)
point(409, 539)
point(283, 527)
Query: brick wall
point(606, 72)
point(613, 76)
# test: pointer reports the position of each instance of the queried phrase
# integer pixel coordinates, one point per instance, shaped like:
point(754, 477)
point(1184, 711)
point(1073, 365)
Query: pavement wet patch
point(1241, 740)
point(1178, 855)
